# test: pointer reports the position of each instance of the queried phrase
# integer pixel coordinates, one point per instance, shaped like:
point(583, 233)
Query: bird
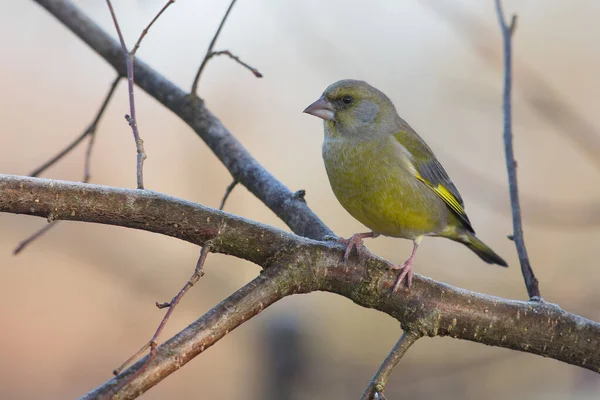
point(385, 175)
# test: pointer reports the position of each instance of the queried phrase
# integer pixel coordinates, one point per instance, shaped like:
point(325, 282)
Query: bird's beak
point(321, 108)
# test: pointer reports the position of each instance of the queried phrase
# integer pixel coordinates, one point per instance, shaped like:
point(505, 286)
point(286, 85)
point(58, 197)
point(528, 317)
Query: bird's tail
point(481, 249)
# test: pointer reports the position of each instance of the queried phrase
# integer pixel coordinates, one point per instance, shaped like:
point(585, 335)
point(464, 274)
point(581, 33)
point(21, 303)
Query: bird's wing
point(432, 174)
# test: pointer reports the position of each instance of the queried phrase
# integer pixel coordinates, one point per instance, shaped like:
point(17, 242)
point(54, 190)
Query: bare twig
point(38, 171)
point(236, 59)
point(377, 385)
point(227, 193)
point(89, 131)
point(211, 47)
point(531, 281)
point(24, 243)
point(145, 31)
point(210, 53)
point(198, 273)
point(129, 61)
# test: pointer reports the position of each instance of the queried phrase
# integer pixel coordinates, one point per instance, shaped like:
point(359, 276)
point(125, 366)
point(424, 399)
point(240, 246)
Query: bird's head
point(351, 107)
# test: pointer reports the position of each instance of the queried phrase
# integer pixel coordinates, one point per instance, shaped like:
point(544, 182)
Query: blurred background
point(80, 300)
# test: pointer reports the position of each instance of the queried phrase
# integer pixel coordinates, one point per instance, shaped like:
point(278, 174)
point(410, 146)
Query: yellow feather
point(445, 195)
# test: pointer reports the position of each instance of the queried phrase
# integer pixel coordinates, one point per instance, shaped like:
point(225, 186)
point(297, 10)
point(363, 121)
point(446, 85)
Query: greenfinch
point(386, 176)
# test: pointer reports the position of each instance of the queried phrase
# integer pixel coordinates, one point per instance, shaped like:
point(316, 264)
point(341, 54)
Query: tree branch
point(243, 167)
point(131, 117)
point(238, 308)
point(430, 308)
point(147, 28)
point(90, 130)
point(209, 53)
point(377, 385)
point(531, 281)
point(235, 58)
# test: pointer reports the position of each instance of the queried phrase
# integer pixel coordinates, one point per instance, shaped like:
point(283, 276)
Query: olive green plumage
point(384, 174)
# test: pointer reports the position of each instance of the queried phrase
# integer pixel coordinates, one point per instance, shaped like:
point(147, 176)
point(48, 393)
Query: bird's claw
point(407, 272)
point(354, 241)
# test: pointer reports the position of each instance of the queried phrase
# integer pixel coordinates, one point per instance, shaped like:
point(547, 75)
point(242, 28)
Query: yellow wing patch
point(448, 198)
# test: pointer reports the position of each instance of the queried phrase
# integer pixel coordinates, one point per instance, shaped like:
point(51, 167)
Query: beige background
point(81, 299)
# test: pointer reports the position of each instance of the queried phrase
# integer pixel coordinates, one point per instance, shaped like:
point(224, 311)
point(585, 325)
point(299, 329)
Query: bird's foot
point(355, 241)
point(407, 272)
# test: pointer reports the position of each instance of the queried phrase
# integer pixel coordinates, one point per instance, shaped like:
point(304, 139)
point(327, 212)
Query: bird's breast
point(373, 182)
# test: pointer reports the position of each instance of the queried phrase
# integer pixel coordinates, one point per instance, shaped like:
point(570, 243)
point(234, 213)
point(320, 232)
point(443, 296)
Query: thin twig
point(131, 117)
point(145, 31)
point(89, 131)
point(198, 273)
point(33, 237)
point(531, 281)
point(227, 193)
point(255, 71)
point(210, 53)
point(377, 385)
point(38, 171)
point(211, 47)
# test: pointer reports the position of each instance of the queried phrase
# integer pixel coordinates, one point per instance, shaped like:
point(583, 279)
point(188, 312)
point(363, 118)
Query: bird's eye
point(347, 99)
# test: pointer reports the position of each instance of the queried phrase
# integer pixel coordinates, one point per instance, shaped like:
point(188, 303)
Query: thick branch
point(191, 109)
point(430, 308)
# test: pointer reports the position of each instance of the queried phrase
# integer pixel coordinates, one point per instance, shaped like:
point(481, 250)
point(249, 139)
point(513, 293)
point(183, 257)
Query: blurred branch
point(33, 237)
point(430, 308)
point(243, 167)
point(376, 387)
point(129, 57)
point(210, 53)
point(545, 100)
point(531, 281)
point(89, 131)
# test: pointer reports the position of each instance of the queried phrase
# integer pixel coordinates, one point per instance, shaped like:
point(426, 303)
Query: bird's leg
point(356, 241)
point(407, 267)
